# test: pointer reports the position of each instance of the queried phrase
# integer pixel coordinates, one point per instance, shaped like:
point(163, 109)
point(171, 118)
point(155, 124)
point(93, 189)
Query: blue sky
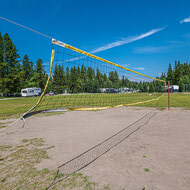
point(145, 35)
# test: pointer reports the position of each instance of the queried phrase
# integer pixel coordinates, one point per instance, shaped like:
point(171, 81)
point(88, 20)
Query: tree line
point(79, 79)
point(17, 73)
point(179, 75)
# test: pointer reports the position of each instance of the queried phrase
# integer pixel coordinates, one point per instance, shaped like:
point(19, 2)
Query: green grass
point(176, 100)
point(17, 169)
point(146, 170)
point(16, 107)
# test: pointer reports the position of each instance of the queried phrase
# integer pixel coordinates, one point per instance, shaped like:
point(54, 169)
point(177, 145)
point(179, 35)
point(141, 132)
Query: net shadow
point(89, 156)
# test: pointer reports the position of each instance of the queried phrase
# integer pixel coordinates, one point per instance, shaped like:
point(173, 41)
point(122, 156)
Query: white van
point(31, 92)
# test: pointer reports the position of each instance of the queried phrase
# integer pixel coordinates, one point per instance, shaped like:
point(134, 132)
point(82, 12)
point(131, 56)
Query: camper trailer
point(31, 92)
point(173, 88)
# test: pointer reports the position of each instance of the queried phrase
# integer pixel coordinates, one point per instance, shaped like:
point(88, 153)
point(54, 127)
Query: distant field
point(16, 107)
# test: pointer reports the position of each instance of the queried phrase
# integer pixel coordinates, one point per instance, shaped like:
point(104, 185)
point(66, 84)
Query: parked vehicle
point(51, 93)
point(31, 92)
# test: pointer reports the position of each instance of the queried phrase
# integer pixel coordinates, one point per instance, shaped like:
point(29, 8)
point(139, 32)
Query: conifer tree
point(40, 72)
point(55, 83)
point(145, 87)
point(170, 74)
point(178, 72)
point(2, 70)
point(10, 67)
point(26, 72)
point(151, 88)
point(1, 48)
point(99, 78)
point(67, 78)
point(61, 81)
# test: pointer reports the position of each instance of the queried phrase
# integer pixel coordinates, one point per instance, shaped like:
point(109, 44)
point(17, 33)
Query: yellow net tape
point(102, 108)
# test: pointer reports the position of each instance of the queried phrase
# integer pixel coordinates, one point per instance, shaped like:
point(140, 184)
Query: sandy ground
point(162, 146)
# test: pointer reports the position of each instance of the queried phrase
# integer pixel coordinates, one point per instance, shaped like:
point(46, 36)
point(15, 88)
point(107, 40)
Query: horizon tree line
point(17, 73)
point(89, 80)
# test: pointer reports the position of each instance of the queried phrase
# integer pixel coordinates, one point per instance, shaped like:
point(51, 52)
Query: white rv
point(173, 88)
point(31, 92)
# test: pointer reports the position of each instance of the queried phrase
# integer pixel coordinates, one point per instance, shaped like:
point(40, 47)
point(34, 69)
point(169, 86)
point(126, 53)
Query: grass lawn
point(16, 107)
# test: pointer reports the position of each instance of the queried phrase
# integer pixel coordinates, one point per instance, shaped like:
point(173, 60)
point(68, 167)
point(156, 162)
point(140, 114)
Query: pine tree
point(2, 70)
point(41, 77)
point(74, 86)
point(99, 78)
point(145, 87)
point(151, 88)
point(83, 72)
point(90, 73)
point(186, 69)
point(181, 85)
point(67, 78)
point(170, 74)
point(116, 80)
point(178, 72)
point(1, 49)
point(26, 72)
point(61, 79)
point(10, 67)
point(104, 77)
point(55, 82)
point(123, 81)
point(111, 76)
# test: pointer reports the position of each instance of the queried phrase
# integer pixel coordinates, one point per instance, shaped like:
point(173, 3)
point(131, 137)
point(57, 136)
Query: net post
point(43, 93)
point(47, 83)
point(168, 95)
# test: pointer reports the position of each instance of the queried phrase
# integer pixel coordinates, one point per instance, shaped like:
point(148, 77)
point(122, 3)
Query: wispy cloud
point(140, 68)
point(149, 49)
point(187, 36)
point(186, 20)
point(134, 68)
point(126, 65)
point(159, 49)
point(175, 42)
point(46, 64)
point(127, 40)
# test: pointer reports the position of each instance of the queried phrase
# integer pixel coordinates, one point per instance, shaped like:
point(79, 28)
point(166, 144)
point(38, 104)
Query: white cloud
point(186, 20)
point(159, 49)
point(140, 68)
point(126, 65)
point(134, 68)
point(149, 49)
point(46, 64)
point(127, 40)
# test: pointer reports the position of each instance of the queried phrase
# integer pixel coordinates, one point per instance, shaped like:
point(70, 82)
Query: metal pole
point(168, 95)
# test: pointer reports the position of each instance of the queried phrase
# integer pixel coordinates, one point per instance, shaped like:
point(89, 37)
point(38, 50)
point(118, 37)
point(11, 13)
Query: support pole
point(44, 91)
point(168, 95)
